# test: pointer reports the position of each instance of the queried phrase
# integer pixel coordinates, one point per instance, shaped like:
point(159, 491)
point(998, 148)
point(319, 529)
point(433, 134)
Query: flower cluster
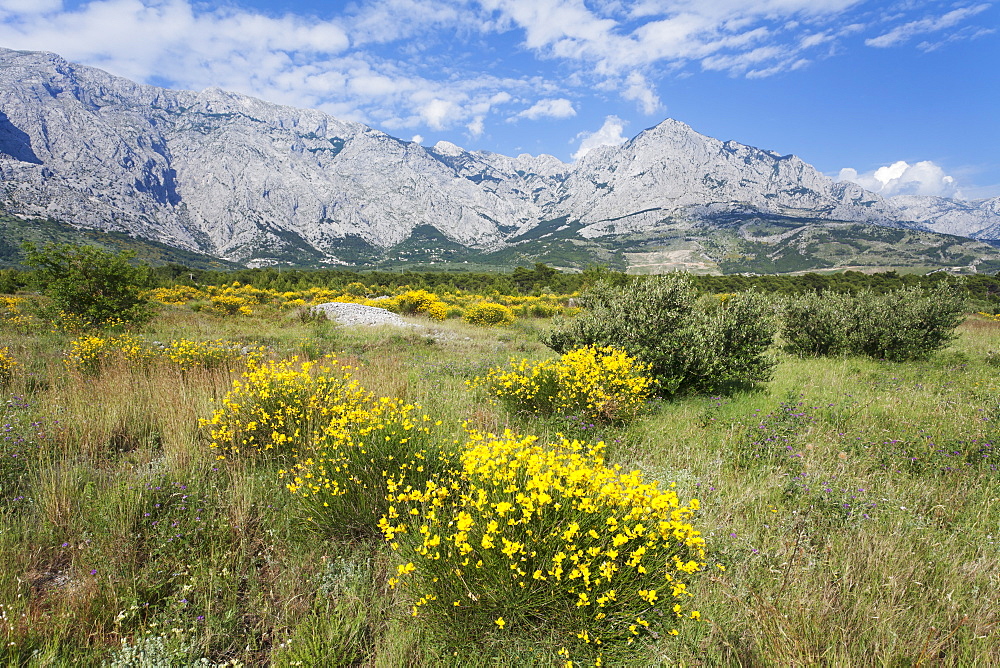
point(7, 364)
point(489, 314)
point(488, 310)
point(281, 408)
point(540, 538)
point(415, 302)
point(12, 314)
point(216, 354)
point(599, 383)
point(501, 535)
point(176, 295)
point(382, 445)
point(77, 324)
point(87, 354)
point(346, 448)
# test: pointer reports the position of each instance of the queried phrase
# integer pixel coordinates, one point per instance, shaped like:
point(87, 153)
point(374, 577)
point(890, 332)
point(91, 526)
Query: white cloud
point(904, 32)
point(380, 21)
point(638, 90)
point(417, 139)
point(429, 64)
point(967, 33)
point(174, 40)
point(476, 127)
point(610, 134)
point(289, 59)
point(625, 35)
point(29, 6)
point(902, 178)
point(439, 113)
point(550, 108)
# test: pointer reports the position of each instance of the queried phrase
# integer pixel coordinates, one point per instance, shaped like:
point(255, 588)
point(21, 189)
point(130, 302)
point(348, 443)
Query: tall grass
point(852, 503)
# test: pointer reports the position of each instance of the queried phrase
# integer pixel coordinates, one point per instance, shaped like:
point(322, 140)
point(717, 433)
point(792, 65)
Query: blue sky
point(903, 97)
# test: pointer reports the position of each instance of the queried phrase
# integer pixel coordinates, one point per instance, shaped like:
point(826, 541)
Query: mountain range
point(246, 181)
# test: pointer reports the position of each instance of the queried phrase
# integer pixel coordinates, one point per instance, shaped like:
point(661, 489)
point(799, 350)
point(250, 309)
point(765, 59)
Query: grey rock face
point(240, 178)
point(979, 219)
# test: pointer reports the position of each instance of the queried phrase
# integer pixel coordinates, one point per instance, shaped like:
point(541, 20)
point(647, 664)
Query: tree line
point(982, 289)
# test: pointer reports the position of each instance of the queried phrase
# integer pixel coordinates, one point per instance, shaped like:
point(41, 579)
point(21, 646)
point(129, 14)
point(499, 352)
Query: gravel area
point(358, 314)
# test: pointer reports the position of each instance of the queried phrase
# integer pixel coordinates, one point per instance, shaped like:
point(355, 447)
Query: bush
point(89, 287)
point(88, 354)
point(7, 365)
point(489, 314)
point(218, 354)
point(279, 409)
point(177, 295)
point(12, 314)
point(817, 323)
point(413, 302)
point(690, 344)
point(905, 324)
point(345, 478)
point(533, 542)
point(601, 384)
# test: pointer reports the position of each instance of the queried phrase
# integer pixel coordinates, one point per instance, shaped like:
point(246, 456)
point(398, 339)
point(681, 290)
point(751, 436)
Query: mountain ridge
point(245, 180)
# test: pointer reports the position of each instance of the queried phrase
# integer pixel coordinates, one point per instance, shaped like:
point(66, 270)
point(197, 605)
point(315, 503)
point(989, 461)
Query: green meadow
point(850, 507)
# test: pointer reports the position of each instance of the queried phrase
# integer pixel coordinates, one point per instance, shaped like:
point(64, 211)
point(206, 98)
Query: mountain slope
point(245, 180)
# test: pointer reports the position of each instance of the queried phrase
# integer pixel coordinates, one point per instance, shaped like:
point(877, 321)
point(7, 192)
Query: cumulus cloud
point(290, 59)
point(902, 178)
point(551, 108)
point(476, 127)
point(417, 139)
point(610, 134)
point(638, 90)
point(176, 41)
point(439, 113)
point(432, 64)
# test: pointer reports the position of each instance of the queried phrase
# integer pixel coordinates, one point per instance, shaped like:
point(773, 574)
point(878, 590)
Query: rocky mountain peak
point(244, 179)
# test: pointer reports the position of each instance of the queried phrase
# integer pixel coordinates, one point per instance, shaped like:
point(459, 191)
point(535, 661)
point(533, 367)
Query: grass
point(854, 505)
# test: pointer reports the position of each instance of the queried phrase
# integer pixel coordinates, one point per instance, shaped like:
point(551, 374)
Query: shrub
point(178, 295)
point(817, 323)
point(381, 444)
point(905, 324)
point(90, 287)
point(230, 304)
point(12, 314)
point(599, 383)
point(538, 541)
point(488, 314)
point(690, 344)
point(188, 355)
point(7, 365)
point(413, 302)
point(87, 354)
point(279, 409)
point(437, 310)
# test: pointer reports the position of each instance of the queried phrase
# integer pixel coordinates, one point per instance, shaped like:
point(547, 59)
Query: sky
point(901, 97)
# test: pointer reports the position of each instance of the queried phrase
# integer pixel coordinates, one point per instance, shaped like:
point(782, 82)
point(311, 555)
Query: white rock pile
point(358, 314)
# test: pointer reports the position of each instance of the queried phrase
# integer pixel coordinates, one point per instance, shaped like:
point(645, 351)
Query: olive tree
point(90, 287)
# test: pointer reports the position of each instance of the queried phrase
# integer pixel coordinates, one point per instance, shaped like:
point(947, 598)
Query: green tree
point(90, 287)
